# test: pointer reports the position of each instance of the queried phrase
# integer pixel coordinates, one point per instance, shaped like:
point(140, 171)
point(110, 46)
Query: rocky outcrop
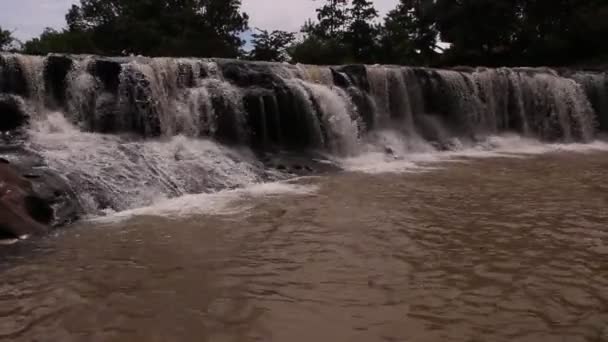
point(33, 198)
point(22, 213)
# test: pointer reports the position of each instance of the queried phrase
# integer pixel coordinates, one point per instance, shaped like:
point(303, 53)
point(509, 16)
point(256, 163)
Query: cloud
point(27, 18)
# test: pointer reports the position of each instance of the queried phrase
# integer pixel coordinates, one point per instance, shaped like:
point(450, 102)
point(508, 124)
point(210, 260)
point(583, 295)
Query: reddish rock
point(22, 213)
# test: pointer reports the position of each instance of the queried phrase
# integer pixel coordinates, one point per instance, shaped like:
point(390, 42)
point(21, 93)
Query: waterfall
point(126, 131)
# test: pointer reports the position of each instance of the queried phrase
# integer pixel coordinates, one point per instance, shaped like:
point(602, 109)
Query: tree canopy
point(473, 32)
point(151, 27)
point(6, 39)
point(271, 46)
point(361, 33)
point(415, 32)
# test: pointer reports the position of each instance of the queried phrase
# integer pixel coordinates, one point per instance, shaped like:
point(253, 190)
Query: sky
point(27, 18)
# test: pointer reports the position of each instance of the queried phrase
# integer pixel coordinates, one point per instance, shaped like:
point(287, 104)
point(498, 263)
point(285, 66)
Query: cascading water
point(125, 132)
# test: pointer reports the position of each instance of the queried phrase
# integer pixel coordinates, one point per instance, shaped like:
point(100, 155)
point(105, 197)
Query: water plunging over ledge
point(128, 132)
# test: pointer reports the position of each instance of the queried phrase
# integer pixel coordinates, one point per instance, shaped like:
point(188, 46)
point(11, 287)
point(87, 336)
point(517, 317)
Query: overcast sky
point(29, 17)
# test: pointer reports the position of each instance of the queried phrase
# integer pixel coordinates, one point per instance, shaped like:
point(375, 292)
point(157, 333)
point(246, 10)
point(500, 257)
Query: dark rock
point(108, 71)
point(230, 121)
point(56, 70)
point(12, 114)
point(185, 75)
point(45, 196)
point(39, 209)
point(12, 77)
point(356, 75)
point(142, 112)
point(248, 74)
point(256, 117)
point(106, 118)
point(22, 213)
point(341, 79)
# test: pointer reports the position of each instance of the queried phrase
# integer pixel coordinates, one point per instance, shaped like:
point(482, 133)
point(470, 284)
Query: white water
point(418, 156)
point(111, 172)
point(225, 202)
point(175, 114)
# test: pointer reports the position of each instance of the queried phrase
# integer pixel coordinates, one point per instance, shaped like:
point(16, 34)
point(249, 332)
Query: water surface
point(498, 249)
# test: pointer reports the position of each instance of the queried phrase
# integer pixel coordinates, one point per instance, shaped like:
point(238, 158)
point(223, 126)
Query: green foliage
point(532, 32)
point(271, 46)
point(316, 50)
point(333, 18)
point(325, 41)
point(409, 34)
point(150, 27)
point(362, 33)
point(61, 42)
point(6, 39)
point(479, 32)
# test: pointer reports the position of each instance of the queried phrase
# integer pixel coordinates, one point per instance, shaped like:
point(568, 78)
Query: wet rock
point(351, 75)
point(108, 71)
point(299, 164)
point(12, 114)
point(12, 77)
point(106, 118)
point(54, 190)
point(185, 75)
point(33, 197)
point(248, 74)
point(56, 69)
point(22, 213)
point(142, 109)
point(253, 103)
point(230, 128)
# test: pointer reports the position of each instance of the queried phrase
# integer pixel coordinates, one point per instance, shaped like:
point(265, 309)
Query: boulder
point(56, 70)
point(12, 115)
point(33, 198)
point(108, 71)
point(22, 213)
point(12, 77)
point(250, 74)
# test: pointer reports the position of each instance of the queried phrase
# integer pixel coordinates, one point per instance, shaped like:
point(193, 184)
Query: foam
point(110, 171)
point(422, 158)
point(225, 202)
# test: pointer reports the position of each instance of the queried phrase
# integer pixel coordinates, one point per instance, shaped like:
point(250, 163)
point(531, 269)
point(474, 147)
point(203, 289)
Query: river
point(500, 248)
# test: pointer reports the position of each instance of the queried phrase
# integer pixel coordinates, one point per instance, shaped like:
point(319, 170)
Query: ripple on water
point(497, 249)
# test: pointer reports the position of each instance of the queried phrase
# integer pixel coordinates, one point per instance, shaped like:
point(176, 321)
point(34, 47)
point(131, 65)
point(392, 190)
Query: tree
point(515, 32)
point(333, 18)
point(158, 27)
point(361, 34)
point(324, 41)
point(480, 31)
point(271, 46)
point(6, 39)
point(64, 41)
point(318, 51)
point(409, 34)
point(562, 31)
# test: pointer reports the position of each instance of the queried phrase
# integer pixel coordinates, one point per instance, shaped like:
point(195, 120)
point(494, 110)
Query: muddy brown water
point(501, 249)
